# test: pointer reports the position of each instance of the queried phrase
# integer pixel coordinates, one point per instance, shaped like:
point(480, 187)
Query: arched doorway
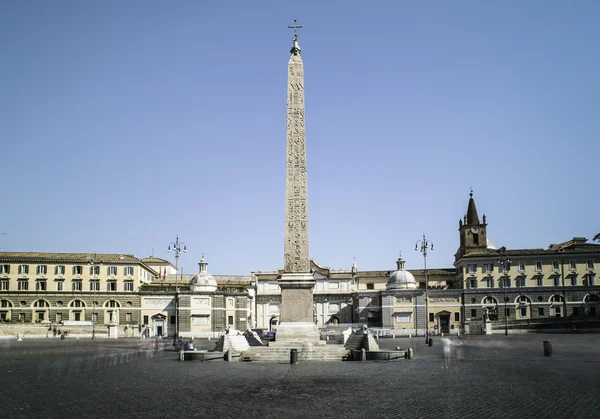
point(158, 324)
point(5, 311)
point(76, 310)
point(443, 322)
point(592, 304)
point(40, 311)
point(523, 304)
point(490, 306)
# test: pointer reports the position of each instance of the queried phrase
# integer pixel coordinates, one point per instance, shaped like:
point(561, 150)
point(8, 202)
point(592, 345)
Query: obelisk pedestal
point(296, 322)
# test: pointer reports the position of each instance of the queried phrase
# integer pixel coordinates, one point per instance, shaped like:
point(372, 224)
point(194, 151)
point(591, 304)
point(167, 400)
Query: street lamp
point(93, 265)
point(254, 285)
point(422, 246)
point(504, 265)
point(177, 247)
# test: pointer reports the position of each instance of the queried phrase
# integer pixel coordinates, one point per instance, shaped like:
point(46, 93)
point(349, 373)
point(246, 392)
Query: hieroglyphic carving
point(296, 214)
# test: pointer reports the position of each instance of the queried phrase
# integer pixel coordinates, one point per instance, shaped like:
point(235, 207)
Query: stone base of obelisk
point(296, 321)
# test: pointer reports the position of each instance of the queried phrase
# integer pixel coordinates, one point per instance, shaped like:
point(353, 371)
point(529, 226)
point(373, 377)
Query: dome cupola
point(401, 279)
point(203, 281)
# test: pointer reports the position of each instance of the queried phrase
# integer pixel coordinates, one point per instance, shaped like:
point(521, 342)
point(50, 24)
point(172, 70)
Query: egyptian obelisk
point(296, 282)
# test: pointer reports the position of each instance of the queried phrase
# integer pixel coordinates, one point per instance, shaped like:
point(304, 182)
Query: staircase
point(237, 343)
point(281, 354)
point(358, 341)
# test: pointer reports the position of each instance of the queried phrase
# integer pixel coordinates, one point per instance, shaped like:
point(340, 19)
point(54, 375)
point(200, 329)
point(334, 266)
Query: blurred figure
point(446, 348)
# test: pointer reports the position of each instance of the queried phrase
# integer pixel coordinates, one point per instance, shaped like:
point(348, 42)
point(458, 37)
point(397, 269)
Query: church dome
point(203, 281)
point(401, 279)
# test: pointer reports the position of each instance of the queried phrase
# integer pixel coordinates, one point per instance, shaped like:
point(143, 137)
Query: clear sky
point(123, 124)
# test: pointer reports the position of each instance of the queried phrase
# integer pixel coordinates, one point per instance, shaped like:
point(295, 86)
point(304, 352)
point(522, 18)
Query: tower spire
point(472, 217)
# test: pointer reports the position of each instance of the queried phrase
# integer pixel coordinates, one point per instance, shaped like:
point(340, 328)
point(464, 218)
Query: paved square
point(486, 376)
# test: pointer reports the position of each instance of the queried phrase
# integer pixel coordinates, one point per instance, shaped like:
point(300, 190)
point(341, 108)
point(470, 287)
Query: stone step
point(282, 355)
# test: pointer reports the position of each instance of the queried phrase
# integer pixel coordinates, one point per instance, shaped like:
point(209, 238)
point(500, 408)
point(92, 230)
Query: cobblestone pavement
point(484, 376)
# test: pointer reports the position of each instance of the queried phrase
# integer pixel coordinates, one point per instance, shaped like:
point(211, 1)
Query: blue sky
point(123, 124)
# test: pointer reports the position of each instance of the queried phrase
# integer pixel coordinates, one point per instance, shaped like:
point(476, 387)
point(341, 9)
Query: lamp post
point(254, 285)
point(93, 265)
point(422, 246)
point(504, 265)
point(177, 247)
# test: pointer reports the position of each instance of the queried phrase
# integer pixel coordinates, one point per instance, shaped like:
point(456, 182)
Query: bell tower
point(473, 234)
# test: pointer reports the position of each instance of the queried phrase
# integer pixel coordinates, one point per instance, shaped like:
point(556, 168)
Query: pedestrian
point(54, 331)
point(446, 349)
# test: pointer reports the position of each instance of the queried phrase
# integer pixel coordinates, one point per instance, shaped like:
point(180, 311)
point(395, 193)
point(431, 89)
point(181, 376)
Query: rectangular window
point(456, 316)
point(472, 283)
point(489, 282)
point(77, 316)
point(370, 286)
point(23, 285)
point(507, 312)
point(540, 281)
point(58, 317)
point(521, 266)
point(590, 264)
point(42, 269)
point(59, 270)
point(506, 282)
point(128, 317)
point(111, 270)
point(573, 280)
point(95, 270)
point(591, 279)
point(538, 266)
point(471, 268)
point(40, 285)
point(111, 285)
point(555, 265)
point(521, 281)
point(572, 265)
point(4, 269)
point(540, 311)
point(3, 284)
point(576, 311)
point(94, 285)
point(557, 311)
point(128, 285)
point(172, 320)
point(128, 270)
point(200, 320)
point(76, 285)
point(403, 317)
point(60, 285)
point(523, 311)
point(145, 319)
point(24, 269)
point(473, 312)
point(488, 268)
point(77, 270)
point(230, 320)
point(556, 280)
point(431, 317)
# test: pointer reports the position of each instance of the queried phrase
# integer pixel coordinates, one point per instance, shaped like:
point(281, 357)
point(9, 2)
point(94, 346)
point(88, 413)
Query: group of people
point(57, 332)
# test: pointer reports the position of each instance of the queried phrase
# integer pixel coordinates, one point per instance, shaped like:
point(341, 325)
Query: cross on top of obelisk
point(294, 26)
